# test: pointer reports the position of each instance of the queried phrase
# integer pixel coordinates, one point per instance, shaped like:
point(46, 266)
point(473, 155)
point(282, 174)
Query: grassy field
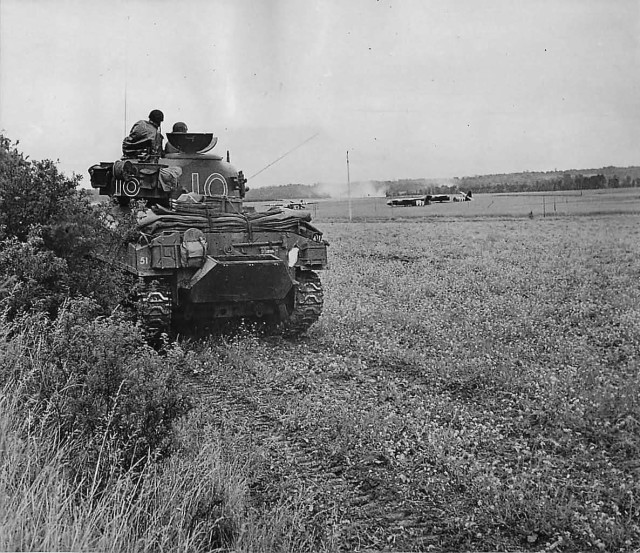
point(473, 384)
point(537, 204)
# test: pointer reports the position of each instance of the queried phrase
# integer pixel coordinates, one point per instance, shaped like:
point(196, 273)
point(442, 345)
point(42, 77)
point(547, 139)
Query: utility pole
point(349, 187)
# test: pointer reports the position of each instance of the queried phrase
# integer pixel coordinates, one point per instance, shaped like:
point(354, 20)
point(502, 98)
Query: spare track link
point(308, 303)
point(154, 307)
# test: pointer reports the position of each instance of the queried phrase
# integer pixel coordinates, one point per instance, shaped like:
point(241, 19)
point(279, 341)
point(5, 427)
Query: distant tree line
point(586, 179)
point(404, 187)
point(573, 179)
point(546, 183)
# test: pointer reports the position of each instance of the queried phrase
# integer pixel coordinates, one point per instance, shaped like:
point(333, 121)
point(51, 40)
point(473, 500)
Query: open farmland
point(472, 384)
point(536, 204)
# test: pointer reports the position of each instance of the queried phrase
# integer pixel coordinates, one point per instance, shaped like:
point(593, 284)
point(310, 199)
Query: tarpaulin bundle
point(186, 216)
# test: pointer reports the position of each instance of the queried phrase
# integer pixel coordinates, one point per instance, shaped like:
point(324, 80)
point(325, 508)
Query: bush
point(95, 380)
point(49, 232)
point(31, 192)
point(34, 277)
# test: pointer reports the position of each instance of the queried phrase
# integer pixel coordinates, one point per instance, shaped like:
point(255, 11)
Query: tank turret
point(185, 166)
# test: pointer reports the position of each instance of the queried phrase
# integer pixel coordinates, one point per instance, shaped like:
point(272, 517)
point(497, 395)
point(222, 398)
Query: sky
point(410, 88)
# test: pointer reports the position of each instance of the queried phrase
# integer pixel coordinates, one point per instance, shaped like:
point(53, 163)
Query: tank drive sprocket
point(307, 306)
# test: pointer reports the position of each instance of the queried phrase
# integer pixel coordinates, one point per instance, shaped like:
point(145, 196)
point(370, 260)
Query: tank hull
point(200, 257)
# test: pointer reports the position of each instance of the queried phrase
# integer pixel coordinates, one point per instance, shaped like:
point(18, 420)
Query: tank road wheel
point(307, 305)
point(154, 307)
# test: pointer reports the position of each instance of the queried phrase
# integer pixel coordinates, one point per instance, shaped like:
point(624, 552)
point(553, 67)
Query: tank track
point(308, 304)
point(154, 307)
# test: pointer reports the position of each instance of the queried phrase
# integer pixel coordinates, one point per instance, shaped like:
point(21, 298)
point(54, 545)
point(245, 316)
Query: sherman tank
point(200, 256)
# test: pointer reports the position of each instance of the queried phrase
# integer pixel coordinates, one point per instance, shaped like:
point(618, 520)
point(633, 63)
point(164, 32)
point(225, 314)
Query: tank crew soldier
point(177, 127)
point(145, 137)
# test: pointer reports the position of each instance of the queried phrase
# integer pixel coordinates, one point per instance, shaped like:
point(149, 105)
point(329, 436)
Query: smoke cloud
point(360, 189)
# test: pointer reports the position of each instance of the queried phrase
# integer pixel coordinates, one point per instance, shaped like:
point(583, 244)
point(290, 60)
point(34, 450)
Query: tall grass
point(195, 501)
point(192, 502)
point(65, 487)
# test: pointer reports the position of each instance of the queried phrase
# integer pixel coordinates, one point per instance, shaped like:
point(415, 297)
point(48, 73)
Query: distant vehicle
point(439, 198)
point(296, 205)
point(410, 201)
point(427, 199)
point(463, 197)
point(290, 204)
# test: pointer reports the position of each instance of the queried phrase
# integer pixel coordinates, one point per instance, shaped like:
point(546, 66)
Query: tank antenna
point(124, 132)
point(285, 155)
point(126, 76)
